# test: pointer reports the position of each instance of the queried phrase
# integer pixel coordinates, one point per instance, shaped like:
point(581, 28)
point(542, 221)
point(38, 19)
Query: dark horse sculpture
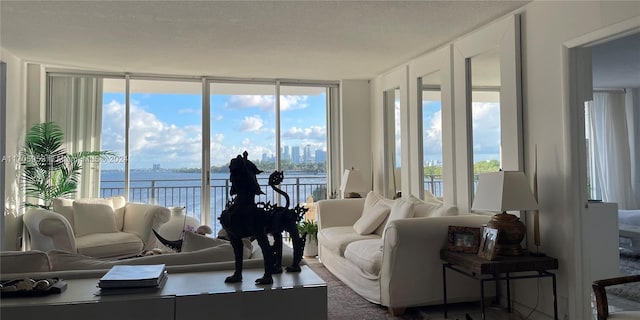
point(243, 217)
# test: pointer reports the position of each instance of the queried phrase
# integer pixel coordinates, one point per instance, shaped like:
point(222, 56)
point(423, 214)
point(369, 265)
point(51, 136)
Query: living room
point(538, 72)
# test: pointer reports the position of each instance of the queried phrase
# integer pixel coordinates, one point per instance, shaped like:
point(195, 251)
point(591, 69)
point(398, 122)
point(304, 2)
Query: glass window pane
point(303, 142)
point(432, 134)
point(165, 143)
point(242, 119)
point(485, 113)
point(113, 137)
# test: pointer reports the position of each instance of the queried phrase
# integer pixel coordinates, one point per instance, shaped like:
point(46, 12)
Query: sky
point(166, 129)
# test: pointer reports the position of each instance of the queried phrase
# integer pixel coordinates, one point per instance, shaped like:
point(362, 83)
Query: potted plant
point(48, 171)
point(308, 229)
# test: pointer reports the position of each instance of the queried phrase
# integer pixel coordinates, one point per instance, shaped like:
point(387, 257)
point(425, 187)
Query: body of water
point(169, 189)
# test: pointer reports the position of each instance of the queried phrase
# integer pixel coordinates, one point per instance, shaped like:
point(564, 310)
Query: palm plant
point(50, 172)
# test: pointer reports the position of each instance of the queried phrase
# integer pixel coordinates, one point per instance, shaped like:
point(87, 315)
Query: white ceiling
point(329, 40)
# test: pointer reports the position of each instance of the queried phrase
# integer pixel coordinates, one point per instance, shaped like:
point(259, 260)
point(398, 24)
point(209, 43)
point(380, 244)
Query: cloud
point(432, 135)
point(293, 102)
point(151, 140)
point(266, 103)
point(251, 123)
point(486, 131)
point(218, 117)
point(314, 133)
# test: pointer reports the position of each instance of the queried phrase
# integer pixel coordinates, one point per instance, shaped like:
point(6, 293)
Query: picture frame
point(463, 239)
point(487, 249)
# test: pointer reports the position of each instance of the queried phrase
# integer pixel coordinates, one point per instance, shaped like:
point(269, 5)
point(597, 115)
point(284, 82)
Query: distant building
point(306, 156)
point(285, 153)
point(156, 167)
point(295, 154)
point(321, 156)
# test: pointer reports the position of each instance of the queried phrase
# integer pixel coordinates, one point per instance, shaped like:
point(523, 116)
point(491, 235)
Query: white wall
point(355, 129)
point(15, 130)
point(547, 27)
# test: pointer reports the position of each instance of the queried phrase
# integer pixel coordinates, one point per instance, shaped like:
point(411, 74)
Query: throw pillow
point(372, 199)
point(429, 197)
point(371, 218)
point(93, 216)
point(401, 209)
point(431, 209)
point(119, 203)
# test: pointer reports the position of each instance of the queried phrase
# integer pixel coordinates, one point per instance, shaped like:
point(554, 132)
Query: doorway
point(603, 76)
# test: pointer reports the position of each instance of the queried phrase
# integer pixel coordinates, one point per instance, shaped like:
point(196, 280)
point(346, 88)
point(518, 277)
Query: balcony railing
point(186, 192)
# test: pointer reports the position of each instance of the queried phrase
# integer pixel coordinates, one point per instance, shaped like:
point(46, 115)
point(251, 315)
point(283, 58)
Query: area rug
point(629, 264)
point(344, 303)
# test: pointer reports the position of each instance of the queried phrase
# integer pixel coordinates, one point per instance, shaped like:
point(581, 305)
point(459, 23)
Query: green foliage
point(309, 227)
point(319, 193)
point(48, 171)
point(478, 168)
point(433, 171)
point(486, 166)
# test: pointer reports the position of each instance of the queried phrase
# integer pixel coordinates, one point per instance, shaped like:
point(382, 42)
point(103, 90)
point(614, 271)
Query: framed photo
point(463, 239)
point(487, 248)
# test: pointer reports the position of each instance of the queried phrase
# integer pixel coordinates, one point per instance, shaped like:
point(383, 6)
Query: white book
point(128, 276)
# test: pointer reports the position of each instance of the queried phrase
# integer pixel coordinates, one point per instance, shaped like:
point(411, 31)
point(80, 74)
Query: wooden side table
point(502, 268)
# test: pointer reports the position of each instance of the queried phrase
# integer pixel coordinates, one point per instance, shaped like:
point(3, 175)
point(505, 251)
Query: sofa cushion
point(24, 261)
point(194, 242)
point(366, 255)
point(119, 203)
point(336, 239)
point(65, 208)
point(401, 209)
point(371, 200)
point(93, 216)
point(106, 245)
point(431, 209)
point(429, 197)
point(371, 218)
point(62, 260)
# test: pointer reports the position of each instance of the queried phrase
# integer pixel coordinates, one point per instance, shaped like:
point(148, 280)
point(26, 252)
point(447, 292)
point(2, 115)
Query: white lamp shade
point(351, 182)
point(504, 191)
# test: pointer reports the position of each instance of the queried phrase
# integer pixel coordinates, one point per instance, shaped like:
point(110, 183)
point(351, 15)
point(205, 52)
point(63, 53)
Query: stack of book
point(124, 278)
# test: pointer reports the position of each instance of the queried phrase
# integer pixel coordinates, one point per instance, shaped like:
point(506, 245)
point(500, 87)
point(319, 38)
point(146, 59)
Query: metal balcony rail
point(186, 192)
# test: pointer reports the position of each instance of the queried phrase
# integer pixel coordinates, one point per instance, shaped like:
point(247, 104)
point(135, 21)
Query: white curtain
point(76, 105)
point(613, 144)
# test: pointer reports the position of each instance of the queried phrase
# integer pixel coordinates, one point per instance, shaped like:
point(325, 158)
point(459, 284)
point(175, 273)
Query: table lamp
point(352, 183)
point(505, 191)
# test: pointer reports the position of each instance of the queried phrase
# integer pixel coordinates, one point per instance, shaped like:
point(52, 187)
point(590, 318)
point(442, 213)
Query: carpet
point(344, 303)
point(629, 264)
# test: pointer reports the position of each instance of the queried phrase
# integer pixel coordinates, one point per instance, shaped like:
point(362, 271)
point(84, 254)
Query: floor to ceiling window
point(432, 134)
point(303, 141)
point(156, 127)
point(485, 113)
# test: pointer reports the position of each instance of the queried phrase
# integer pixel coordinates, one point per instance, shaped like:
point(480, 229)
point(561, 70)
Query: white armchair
point(101, 228)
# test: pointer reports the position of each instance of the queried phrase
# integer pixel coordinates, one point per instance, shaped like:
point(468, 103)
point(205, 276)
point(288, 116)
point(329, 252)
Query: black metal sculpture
point(243, 217)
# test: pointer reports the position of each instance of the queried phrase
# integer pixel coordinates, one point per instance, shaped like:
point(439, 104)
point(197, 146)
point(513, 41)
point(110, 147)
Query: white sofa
point(398, 264)
point(66, 265)
point(101, 228)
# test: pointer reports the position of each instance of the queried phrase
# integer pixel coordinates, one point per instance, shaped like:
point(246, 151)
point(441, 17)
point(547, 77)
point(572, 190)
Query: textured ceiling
point(327, 40)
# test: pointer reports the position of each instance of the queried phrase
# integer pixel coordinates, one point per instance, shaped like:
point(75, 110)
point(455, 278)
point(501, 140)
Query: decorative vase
point(179, 221)
point(310, 247)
